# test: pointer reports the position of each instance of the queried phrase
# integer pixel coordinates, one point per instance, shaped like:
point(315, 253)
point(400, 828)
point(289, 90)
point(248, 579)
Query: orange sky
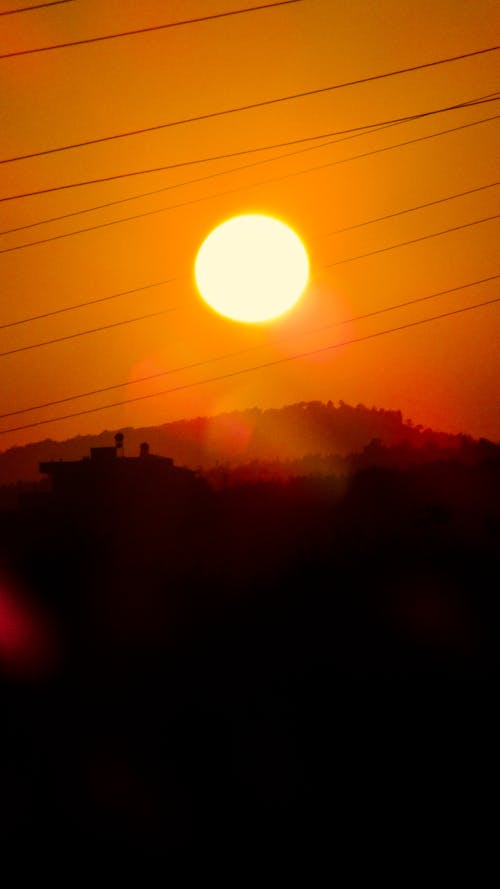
point(443, 374)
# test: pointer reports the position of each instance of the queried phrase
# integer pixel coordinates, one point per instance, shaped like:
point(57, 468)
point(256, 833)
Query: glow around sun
point(252, 268)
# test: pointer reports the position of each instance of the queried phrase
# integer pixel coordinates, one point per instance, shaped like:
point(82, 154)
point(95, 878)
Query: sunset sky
point(443, 374)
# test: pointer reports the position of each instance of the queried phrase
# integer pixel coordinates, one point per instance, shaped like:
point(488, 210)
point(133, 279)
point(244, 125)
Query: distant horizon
point(108, 430)
point(410, 421)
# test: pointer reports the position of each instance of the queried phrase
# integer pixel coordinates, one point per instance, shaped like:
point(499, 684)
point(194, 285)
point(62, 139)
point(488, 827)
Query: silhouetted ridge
point(289, 433)
point(183, 667)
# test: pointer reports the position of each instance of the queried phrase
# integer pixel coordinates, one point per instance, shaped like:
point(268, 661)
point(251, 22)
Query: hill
point(243, 663)
point(279, 434)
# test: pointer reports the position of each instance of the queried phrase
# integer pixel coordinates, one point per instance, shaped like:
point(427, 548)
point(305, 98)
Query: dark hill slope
point(287, 433)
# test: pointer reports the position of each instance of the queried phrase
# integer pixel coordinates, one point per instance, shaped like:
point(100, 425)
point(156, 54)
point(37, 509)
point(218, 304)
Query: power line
point(254, 105)
point(72, 336)
point(239, 188)
point(136, 31)
point(404, 305)
point(356, 225)
point(218, 157)
point(38, 6)
point(130, 382)
point(226, 172)
point(263, 366)
point(243, 351)
point(445, 231)
point(90, 302)
point(32, 346)
point(471, 103)
point(450, 197)
point(175, 185)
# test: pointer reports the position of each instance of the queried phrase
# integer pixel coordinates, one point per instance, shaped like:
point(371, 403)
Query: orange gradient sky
point(444, 374)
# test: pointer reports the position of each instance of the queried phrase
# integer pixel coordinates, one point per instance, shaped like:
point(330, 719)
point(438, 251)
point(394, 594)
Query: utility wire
point(444, 231)
point(71, 336)
point(224, 357)
point(450, 197)
point(90, 302)
point(210, 176)
point(246, 370)
point(164, 27)
point(361, 130)
point(38, 6)
point(239, 188)
point(175, 185)
point(254, 105)
point(470, 103)
point(356, 225)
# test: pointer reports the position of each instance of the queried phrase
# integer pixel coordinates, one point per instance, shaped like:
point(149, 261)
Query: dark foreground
point(306, 669)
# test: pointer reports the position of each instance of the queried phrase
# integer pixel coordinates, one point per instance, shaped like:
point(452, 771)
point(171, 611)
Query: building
point(107, 479)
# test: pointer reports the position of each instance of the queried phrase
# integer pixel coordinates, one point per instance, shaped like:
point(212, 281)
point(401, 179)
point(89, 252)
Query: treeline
point(163, 560)
point(374, 454)
point(288, 433)
point(253, 667)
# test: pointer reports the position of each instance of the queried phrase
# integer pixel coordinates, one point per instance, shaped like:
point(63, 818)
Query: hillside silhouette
point(288, 433)
point(238, 660)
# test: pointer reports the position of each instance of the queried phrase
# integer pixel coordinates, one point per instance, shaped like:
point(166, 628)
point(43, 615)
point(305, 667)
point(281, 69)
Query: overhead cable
point(239, 188)
point(38, 6)
point(450, 197)
point(71, 336)
point(470, 103)
point(264, 366)
point(89, 302)
point(444, 231)
point(165, 281)
point(228, 355)
point(252, 106)
point(149, 29)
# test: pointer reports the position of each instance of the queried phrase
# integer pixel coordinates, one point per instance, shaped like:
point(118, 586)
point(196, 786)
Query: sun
point(251, 268)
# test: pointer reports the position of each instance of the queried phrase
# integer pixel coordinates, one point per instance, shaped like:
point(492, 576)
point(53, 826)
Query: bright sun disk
point(252, 268)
